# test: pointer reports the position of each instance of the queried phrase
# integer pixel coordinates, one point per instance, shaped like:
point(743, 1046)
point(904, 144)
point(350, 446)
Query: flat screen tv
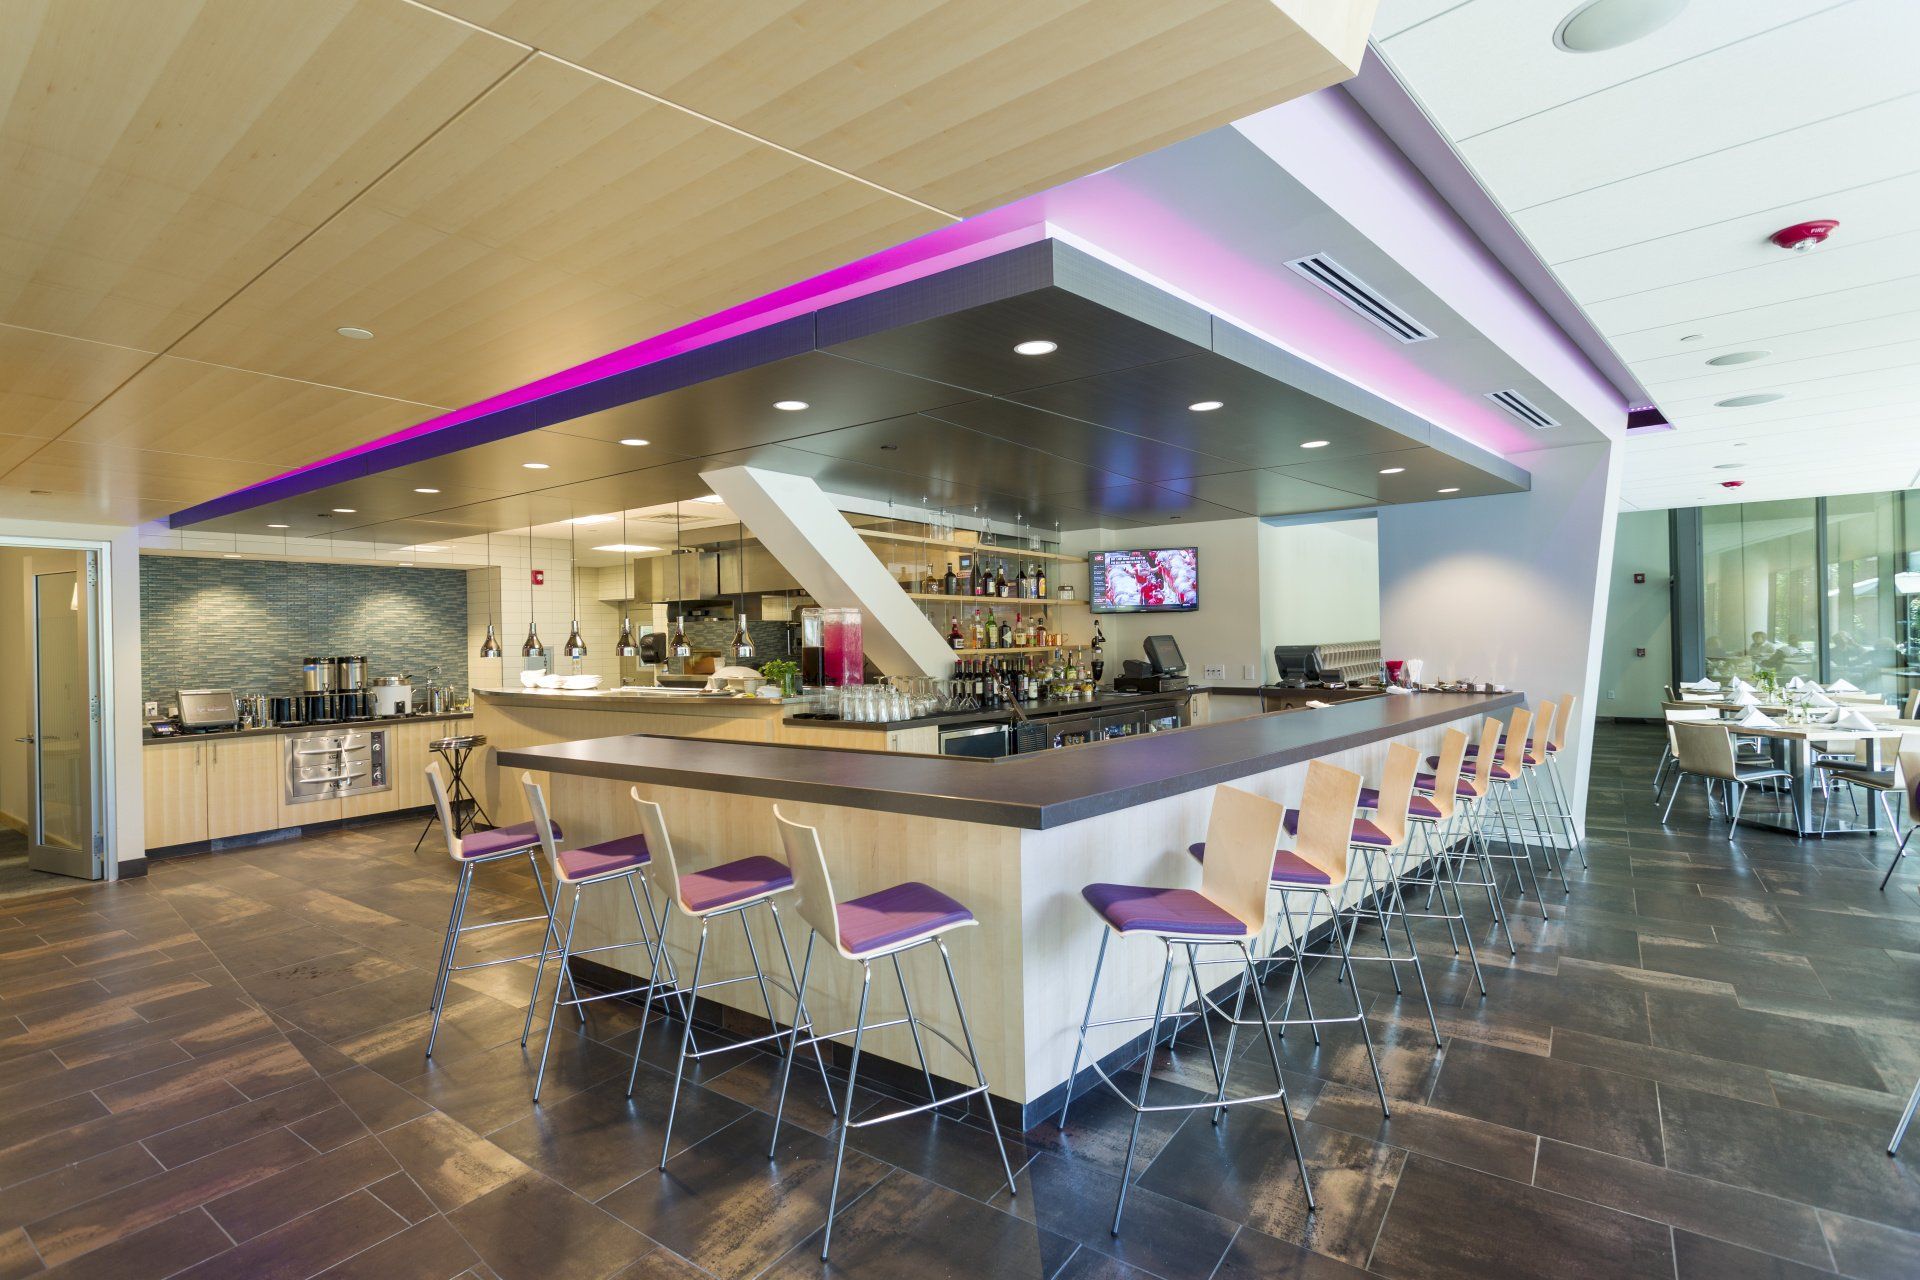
point(1153, 580)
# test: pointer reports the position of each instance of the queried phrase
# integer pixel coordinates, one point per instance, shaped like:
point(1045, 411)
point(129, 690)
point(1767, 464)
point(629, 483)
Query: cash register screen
point(1163, 655)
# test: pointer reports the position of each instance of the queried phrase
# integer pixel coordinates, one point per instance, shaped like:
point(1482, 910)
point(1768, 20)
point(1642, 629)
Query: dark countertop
point(150, 737)
point(1038, 791)
point(1103, 701)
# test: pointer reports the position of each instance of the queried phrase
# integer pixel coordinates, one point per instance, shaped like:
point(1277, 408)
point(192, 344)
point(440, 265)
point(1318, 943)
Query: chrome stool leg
point(1079, 1046)
point(1906, 1118)
point(438, 1004)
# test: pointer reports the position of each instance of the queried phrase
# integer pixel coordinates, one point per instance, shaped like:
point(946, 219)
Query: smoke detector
point(1802, 236)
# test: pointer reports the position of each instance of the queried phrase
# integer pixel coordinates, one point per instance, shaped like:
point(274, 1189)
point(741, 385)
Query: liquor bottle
point(1040, 582)
point(1000, 584)
point(1006, 635)
point(681, 649)
point(950, 583)
point(1099, 651)
point(1020, 583)
point(977, 576)
point(954, 637)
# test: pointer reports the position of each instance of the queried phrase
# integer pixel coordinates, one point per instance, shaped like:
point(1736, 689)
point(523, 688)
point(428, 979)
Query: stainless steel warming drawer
point(335, 762)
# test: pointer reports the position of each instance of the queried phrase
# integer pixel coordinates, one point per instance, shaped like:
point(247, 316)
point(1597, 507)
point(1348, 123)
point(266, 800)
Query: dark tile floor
point(1689, 1070)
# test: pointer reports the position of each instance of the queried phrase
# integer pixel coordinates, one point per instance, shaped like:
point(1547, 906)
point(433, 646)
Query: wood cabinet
point(245, 780)
point(176, 787)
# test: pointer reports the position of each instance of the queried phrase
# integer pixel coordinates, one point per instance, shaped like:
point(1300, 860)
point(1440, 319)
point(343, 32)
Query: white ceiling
point(1648, 179)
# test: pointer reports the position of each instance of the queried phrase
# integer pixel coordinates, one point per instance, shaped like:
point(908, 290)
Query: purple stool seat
point(734, 882)
point(1418, 806)
point(483, 844)
point(1464, 788)
point(606, 858)
point(1364, 832)
point(1499, 771)
point(904, 913)
point(1132, 908)
point(1289, 868)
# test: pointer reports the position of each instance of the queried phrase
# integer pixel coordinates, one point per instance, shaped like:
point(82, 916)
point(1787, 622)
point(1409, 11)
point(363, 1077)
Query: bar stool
point(1906, 1118)
point(879, 926)
point(617, 861)
point(1551, 742)
point(1402, 813)
point(1517, 759)
point(1477, 790)
point(728, 889)
point(1498, 765)
point(469, 851)
point(1229, 909)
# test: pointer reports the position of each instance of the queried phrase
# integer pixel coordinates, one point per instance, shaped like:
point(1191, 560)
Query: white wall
point(1639, 616)
point(1227, 630)
point(1510, 588)
point(1319, 582)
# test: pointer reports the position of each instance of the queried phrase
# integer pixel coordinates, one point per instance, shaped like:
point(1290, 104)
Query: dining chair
point(1910, 771)
point(1675, 712)
point(1705, 751)
point(1862, 769)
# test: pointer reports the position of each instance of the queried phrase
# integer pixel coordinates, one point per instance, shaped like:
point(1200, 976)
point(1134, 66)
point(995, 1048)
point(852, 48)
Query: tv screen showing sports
point(1164, 580)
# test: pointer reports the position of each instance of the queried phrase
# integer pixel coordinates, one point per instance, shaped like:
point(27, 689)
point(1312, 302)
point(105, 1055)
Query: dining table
point(1793, 748)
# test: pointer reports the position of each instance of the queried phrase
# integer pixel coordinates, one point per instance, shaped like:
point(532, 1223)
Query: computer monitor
point(1297, 661)
point(1163, 655)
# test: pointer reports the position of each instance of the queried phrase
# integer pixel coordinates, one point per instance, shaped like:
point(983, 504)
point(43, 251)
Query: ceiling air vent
point(1522, 408)
point(1356, 295)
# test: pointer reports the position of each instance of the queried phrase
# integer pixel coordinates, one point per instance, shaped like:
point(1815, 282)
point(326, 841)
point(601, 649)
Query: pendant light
point(490, 647)
point(576, 645)
point(678, 641)
point(742, 641)
point(532, 648)
point(626, 646)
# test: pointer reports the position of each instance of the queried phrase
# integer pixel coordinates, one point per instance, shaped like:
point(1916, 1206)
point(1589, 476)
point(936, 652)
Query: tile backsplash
point(247, 624)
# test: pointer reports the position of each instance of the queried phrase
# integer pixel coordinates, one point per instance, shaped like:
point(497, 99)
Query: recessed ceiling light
point(355, 332)
point(406, 564)
point(591, 520)
point(534, 466)
point(790, 406)
point(626, 546)
point(1037, 347)
point(1453, 490)
point(1740, 357)
point(1746, 402)
point(1599, 25)
point(426, 491)
point(344, 511)
point(1391, 471)
point(709, 497)
point(1728, 466)
point(1314, 444)
point(634, 442)
point(277, 526)
point(1205, 406)
point(424, 547)
point(229, 555)
point(1692, 337)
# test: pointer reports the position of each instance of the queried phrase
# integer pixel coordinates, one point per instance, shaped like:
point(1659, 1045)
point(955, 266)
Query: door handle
point(28, 738)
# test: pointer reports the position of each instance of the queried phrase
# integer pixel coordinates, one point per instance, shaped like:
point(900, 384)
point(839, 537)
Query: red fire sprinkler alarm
point(539, 577)
point(1639, 577)
point(1802, 236)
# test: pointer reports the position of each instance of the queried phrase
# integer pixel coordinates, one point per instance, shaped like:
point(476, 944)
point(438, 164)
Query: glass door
point(64, 827)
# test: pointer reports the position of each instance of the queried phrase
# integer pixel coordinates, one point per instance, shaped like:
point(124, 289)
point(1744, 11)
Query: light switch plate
point(1216, 671)
point(1248, 671)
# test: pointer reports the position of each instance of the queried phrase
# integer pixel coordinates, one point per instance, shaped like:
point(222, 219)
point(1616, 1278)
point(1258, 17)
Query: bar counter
point(1013, 839)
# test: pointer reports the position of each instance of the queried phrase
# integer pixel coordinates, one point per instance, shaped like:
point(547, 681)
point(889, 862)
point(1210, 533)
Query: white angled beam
point(802, 528)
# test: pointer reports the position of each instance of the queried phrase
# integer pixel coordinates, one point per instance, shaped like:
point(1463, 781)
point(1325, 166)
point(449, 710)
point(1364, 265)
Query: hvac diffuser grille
point(1359, 297)
point(1522, 408)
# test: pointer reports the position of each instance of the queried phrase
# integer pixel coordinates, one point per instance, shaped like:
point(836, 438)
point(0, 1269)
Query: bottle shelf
point(985, 548)
point(1005, 602)
point(1045, 648)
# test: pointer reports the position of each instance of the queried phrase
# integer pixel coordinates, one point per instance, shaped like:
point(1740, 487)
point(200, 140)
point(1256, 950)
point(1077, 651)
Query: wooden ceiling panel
point(963, 106)
point(562, 217)
point(47, 381)
point(207, 411)
point(155, 156)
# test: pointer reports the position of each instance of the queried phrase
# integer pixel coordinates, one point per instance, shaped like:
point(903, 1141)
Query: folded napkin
point(1796, 683)
point(1843, 686)
point(1741, 686)
point(1820, 700)
point(1756, 719)
point(1744, 698)
point(1312, 702)
point(1701, 686)
point(1811, 686)
point(1854, 720)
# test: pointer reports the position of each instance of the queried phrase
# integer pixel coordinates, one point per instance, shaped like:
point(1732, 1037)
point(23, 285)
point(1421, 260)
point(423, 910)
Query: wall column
point(1510, 588)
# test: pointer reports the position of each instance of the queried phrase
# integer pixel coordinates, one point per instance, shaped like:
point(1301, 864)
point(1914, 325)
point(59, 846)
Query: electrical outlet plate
point(1216, 671)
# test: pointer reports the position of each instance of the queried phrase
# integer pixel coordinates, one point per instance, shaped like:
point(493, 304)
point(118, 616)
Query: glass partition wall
point(1827, 588)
